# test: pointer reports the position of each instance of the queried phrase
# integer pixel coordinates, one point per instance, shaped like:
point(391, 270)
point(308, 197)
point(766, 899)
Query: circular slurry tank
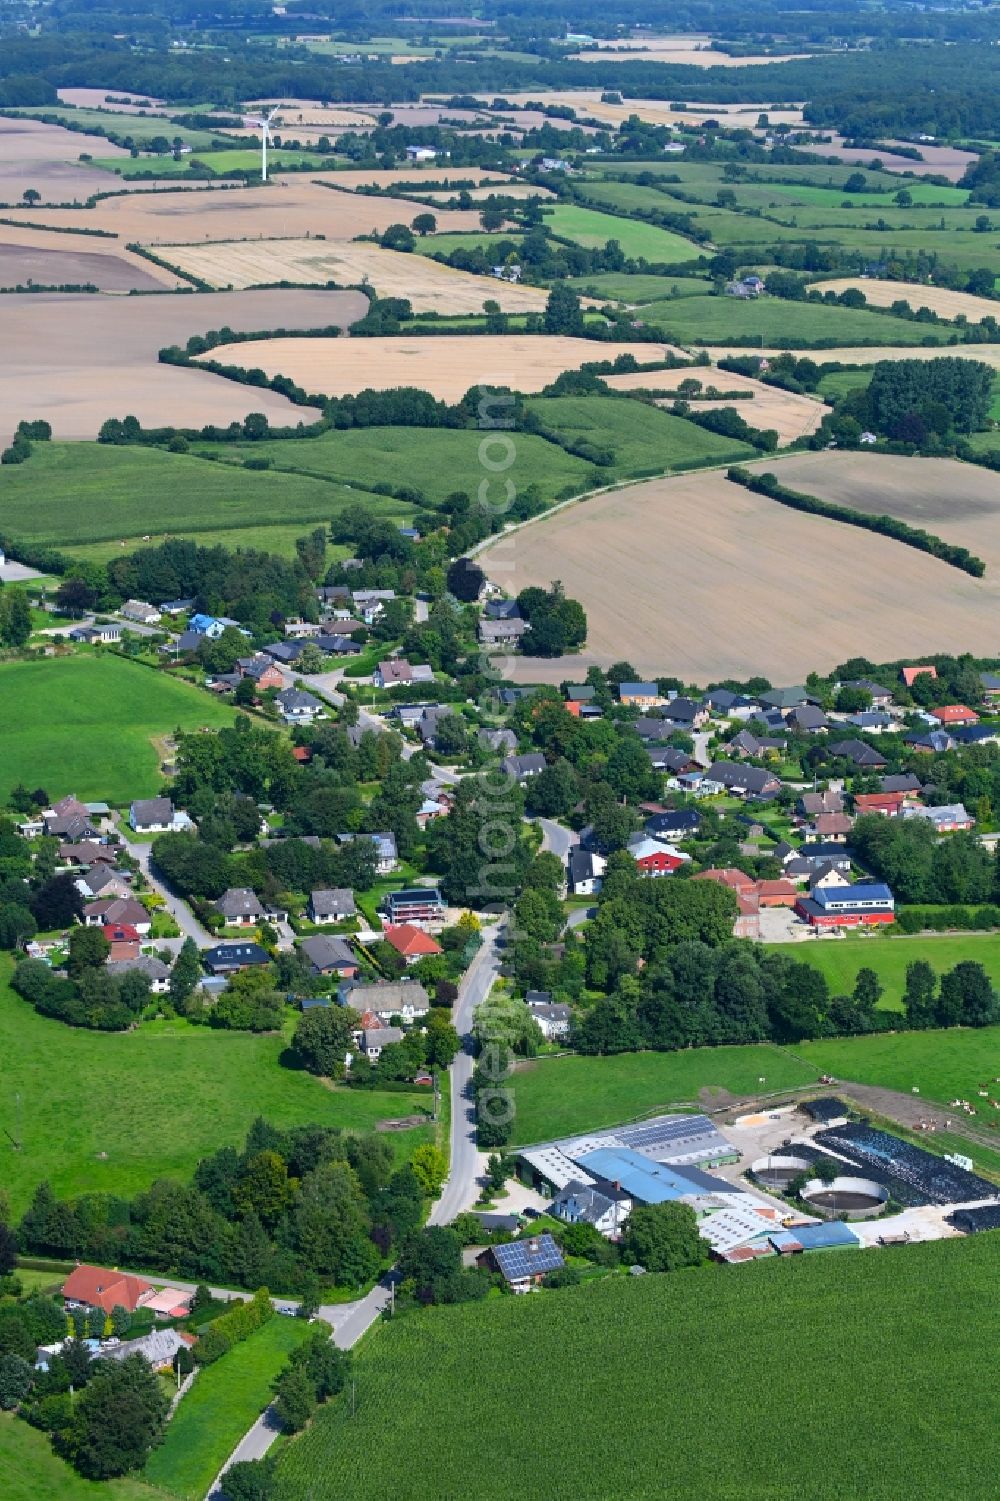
point(855, 1198)
point(778, 1169)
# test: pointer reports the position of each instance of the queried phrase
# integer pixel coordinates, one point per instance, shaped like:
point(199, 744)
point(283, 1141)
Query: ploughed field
point(77, 360)
point(697, 576)
point(959, 502)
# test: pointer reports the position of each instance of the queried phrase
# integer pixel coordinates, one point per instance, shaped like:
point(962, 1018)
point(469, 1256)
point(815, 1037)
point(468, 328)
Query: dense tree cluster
point(290, 1207)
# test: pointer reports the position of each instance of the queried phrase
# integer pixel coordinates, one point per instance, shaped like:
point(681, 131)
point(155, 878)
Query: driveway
point(557, 839)
point(179, 910)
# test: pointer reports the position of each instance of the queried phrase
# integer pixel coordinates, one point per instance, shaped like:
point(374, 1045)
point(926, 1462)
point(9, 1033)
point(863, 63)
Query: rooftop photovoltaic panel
point(528, 1258)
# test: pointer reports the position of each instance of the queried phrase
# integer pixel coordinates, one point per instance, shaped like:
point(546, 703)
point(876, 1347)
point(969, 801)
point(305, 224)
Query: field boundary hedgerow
point(887, 526)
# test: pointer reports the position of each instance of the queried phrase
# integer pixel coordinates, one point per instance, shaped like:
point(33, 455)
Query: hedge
point(888, 526)
point(233, 1327)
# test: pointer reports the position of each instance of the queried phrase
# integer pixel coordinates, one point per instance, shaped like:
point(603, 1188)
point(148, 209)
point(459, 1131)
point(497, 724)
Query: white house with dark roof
point(241, 908)
point(331, 904)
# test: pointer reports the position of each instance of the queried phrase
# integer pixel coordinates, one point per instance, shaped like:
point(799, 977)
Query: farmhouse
point(502, 632)
point(420, 153)
point(600, 1204)
point(406, 999)
point(553, 1019)
point(372, 1040)
point(98, 1287)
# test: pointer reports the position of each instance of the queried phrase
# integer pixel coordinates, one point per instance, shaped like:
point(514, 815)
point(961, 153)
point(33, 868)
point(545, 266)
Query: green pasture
point(279, 540)
point(141, 128)
point(591, 229)
point(444, 244)
point(434, 461)
point(72, 493)
point(559, 1096)
point(109, 1112)
point(232, 159)
point(31, 1472)
point(839, 382)
point(644, 439)
point(942, 1066)
point(676, 1386)
point(87, 723)
point(772, 321)
point(840, 960)
point(617, 286)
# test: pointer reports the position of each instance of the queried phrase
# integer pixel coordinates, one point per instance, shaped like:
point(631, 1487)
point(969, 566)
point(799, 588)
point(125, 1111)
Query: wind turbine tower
point(265, 131)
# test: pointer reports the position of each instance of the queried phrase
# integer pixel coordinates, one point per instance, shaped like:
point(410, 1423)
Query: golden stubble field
point(290, 207)
point(696, 576)
point(863, 354)
point(959, 502)
point(792, 416)
point(940, 300)
point(429, 285)
point(77, 360)
point(588, 104)
point(692, 51)
point(447, 365)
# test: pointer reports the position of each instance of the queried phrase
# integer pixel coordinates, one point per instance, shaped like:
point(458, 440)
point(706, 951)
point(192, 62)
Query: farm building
point(868, 904)
point(523, 1263)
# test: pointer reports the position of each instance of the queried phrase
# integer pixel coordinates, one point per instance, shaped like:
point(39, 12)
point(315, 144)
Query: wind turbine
point(265, 131)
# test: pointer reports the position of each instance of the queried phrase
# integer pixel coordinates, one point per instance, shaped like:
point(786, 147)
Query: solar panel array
point(518, 1260)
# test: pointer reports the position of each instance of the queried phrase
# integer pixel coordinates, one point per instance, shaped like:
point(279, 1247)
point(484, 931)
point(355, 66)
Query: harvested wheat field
point(692, 51)
point(939, 161)
point(60, 260)
point(699, 577)
point(588, 104)
point(863, 354)
point(959, 502)
point(289, 207)
point(447, 365)
point(429, 286)
point(940, 300)
point(499, 190)
point(792, 416)
point(101, 99)
point(77, 360)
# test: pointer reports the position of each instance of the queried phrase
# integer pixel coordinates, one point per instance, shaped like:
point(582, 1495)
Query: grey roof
point(725, 698)
point(905, 781)
point(333, 901)
point(786, 698)
point(388, 998)
point(682, 710)
point(858, 752)
point(189, 640)
point(522, 1259)
point(498, 739)
point(807, 717)
point(502, 630)
point(240, 901)
point(380, 1037)
point(146, 964)
point(524, 766)
point(590, 1202)
point(158, 1347)
point(668, 758)
point(501, 609)
point(295, 698)
point(153, 810)
point(679, 822)
point(753, 778)
point(327, 953)
point(285, 651)
point(582, 866)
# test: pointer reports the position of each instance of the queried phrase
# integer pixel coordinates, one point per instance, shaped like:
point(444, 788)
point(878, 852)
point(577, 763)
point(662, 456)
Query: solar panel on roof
point(528, 1258)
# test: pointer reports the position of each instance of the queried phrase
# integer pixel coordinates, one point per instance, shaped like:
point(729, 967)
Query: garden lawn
point(840, 961)
point(821, 1376)
point(643, 439)
point(592, 229)
point(432, 460)
point(226, 1399)
point(560, 1096)
point(86, 724)
point(68, 493)
point(31, 1472)
point(942, 1065)
point(777, 323)
point(110, 1112)
point(839, 382)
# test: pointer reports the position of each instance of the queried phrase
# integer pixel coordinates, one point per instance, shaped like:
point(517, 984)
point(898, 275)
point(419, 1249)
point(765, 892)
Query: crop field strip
point(789, 414)
point(428, 285)
point(447, 365)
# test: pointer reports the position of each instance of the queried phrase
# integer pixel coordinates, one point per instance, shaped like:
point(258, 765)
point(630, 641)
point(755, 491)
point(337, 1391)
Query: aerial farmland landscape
point(499, 751)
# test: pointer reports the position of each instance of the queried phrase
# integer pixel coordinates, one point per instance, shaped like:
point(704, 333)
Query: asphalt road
point(556, 838)
point(179, 910)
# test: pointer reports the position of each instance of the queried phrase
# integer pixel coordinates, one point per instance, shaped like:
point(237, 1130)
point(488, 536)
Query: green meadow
point(109, 1112)
point(770, 321)
point(87, 724)
point(643, 439)
point(589, 228)
point(840, 961)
